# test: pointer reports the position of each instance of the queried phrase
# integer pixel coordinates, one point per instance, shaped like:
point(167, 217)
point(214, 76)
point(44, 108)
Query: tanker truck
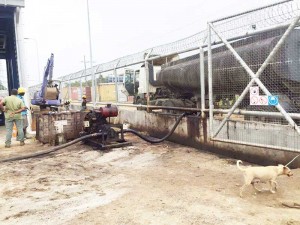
point(177, 83)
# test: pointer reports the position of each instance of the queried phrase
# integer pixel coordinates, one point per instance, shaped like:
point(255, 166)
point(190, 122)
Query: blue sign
point(273, 100)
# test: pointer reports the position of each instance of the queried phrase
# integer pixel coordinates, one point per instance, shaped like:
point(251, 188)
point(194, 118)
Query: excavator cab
point(49, 94)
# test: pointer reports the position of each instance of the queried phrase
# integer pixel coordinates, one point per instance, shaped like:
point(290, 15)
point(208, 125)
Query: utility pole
point(91, 58)
point(84, 74)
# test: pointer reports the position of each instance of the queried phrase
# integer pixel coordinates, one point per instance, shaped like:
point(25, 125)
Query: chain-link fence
point(246, 75)
point(80, 82)
point(255, 68)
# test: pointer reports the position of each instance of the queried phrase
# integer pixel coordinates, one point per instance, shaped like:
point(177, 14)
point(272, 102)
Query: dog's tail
point(238, 165)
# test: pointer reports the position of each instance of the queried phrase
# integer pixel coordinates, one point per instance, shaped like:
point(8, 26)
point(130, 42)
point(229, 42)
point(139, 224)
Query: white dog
point(262, 174)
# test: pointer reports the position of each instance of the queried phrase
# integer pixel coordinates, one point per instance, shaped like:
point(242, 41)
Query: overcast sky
point(118, 27)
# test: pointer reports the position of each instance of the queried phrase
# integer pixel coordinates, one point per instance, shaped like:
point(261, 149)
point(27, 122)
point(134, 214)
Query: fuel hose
point(155, 140)
point(40, 153)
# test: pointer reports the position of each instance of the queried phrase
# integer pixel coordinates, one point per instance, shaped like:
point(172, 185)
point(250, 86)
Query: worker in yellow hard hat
point(21, 93)
point(83, 103)
point(21, 90)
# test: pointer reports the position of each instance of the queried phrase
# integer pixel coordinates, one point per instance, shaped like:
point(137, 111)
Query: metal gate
point(254, 77)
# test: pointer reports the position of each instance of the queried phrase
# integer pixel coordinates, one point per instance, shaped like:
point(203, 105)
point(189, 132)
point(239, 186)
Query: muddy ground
point(140, 184)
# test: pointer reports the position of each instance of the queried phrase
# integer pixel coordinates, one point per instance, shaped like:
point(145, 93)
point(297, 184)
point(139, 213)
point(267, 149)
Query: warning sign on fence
point(254, 91)
point(273, 100)
point(256, 99)
point(263, 100)
point(253, 100)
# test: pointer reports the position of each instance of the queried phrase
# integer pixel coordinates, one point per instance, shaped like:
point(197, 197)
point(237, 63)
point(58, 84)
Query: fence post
point(147, 77)
point(202, 81)
point(116, 81)
point(210, 87)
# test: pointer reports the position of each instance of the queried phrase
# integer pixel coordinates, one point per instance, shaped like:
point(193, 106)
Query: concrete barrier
point(193, 131)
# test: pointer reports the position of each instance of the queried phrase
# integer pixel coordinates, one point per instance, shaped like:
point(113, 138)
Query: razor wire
point(279, 13)
point(260, 19)
point(243, 24)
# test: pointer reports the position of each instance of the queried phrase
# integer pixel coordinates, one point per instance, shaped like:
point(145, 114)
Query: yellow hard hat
point(21, 90)
point(83, 96)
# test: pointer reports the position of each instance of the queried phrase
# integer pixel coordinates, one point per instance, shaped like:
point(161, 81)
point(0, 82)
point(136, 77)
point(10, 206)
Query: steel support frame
point(116, 81)
point(147, 77)
point(81, 91)
point(260, 145)
point(98, 86)
point(69, 90)
point(202, 81)
point(255, 77)
point(210, 88)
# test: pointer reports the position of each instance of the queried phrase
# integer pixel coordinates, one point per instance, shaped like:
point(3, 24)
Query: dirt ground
point(141, 184)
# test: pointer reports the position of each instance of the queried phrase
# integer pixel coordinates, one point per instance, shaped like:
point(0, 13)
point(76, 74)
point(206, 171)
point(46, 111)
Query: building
point(11, 48)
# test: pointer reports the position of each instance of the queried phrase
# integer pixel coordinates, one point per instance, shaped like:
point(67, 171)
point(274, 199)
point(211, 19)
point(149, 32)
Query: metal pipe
point(91, 56)
point(84, 61)
point(81, 93)
point(202, 81)
point(236, 112)
point(152, 107)
point(210, 87)
point(147, 78)
point(116, 81)
point(69, 91)
point(256, 145)
point(98, 87)
point(257, 113)
point(223, 111)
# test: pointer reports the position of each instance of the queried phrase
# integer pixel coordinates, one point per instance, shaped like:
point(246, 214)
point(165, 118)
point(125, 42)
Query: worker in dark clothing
point(83, 104)
point(13, 108)
point(67, 104)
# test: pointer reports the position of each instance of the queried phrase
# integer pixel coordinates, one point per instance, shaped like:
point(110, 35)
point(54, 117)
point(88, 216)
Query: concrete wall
point(193, 131)
point(260, 133)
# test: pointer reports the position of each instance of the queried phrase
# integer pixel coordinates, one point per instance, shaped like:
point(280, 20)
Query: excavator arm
point(48, 95)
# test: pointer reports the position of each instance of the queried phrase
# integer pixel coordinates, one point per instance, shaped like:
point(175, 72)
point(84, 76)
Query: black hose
point(148, 139)
point(51, 149)
point(155, 140)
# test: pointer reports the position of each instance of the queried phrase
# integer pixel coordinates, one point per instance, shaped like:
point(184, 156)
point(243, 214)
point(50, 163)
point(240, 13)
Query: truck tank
point(280, 76)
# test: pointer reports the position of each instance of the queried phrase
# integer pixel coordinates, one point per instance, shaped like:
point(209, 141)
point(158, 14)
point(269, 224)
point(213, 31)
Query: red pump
point(109, 111)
